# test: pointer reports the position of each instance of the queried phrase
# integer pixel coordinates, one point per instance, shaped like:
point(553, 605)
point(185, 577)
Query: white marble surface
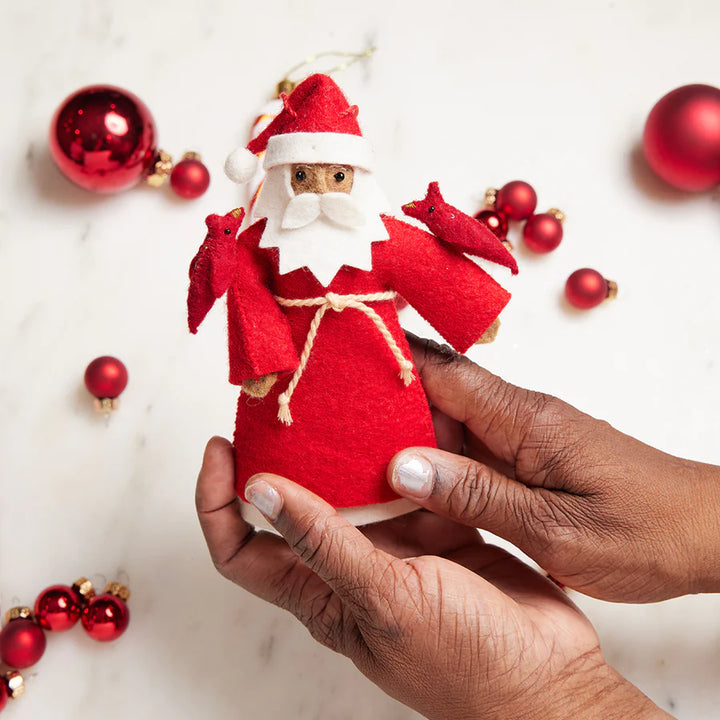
point(472, 94)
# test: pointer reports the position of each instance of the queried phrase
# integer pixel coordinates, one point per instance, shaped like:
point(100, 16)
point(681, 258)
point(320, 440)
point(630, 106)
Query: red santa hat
point(316, 125)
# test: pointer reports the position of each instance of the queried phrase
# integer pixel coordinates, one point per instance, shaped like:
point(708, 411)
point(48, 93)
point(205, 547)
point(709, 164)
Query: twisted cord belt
point(338, 303)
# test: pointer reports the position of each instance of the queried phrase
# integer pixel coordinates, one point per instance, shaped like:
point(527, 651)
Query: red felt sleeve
point(458, 298)
point(259, 338)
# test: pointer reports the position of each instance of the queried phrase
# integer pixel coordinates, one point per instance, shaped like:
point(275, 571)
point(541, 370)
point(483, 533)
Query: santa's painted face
point(321, 178)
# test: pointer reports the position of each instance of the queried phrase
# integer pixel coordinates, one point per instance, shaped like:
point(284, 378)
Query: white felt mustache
point(307, 207)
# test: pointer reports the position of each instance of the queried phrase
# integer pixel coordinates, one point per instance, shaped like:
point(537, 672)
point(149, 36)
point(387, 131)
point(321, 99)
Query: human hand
point(439, 620)
point(600, 511)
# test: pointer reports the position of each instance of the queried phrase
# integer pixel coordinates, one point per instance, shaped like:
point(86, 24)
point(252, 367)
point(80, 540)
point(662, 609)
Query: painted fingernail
point(413, 475)
point(265, 498)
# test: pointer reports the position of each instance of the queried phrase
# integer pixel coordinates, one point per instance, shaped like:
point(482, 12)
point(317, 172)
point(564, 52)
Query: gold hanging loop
point(287, 84)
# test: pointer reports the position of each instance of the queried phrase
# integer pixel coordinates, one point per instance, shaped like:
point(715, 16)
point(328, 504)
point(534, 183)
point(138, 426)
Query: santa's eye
point(339, 176)
point(300, 175)
point(431, 208)
point(228, 231)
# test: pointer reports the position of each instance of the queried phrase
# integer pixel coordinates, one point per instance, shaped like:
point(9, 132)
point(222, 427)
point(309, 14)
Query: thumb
point(465, 491)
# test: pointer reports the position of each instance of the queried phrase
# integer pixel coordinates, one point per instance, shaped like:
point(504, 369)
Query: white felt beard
point(322, 245)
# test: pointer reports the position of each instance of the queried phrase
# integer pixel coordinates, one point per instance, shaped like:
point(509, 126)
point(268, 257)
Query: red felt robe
point(351, 411)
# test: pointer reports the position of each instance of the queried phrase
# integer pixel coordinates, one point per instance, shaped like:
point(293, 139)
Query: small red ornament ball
point(106, 377)
point(3, 694)
point(58, 608)
point(22, 643)
point(103, 138)
point(190, 178)
point(495, 221)
point(542, 232)
point(681, 140)
point(586, 288)
point(105, 618)
point(516, 200)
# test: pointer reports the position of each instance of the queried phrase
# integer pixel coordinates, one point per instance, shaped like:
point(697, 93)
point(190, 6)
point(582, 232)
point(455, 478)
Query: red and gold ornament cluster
point(58, 608)
point(542, 233)
point(103, 138)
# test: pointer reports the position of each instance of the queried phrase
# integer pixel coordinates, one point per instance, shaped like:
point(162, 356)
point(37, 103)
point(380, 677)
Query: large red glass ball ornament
point(190, 178)
point(22, 643)
point(495, 221)
point(586, 288)
point(103, 138)
point(542, 232)
point(58, 608)
point(105, 618)
point(681, 139)
point(516, 200)
point(106, 377)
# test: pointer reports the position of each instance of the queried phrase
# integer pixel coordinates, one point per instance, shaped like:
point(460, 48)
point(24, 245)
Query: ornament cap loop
point(118, 589)
point(491, 198)
point(160, 169)
point(612, 290)
point(559, 215)
point(18, 613)
point(84, 588)
point(15, 684)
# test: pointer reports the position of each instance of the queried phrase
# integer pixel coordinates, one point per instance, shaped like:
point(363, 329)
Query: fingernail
point(265, 498)
point(413, 476)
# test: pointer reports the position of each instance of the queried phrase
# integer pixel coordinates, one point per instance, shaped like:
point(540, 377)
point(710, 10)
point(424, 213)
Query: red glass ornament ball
point(495, 221)
point(22, 643)
point(516, 200)
point(106, 377)
point(586, 288)
point(3, 694)
point(189, 178)
point(542, 232)
point(681, 140)
point(105, 618)
point(58, 608)
point(103, 138)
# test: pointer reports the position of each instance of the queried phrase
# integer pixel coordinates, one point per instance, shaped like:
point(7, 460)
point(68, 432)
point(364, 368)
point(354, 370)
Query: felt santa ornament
point(329, 390)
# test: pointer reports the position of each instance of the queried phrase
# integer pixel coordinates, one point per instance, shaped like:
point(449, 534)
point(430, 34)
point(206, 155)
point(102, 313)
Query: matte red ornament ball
point(190, 178)
point(106, 377)
point(495, 221)
point(516, 200)
point(542, 232)
point(103, 138)
point(105, 617)
point(681, 140)
point(58, 608)
point(3, 694)
point(22, 643)
point(586, 288)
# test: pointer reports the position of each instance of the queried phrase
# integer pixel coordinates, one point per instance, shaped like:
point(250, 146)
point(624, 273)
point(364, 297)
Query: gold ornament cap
point(612, 290)
point(15, 684)
point(105, 406)
point(160, 169)
point(491, 198)
point(84, 588)
point(285, 86)
point(119, 590)
point(559, 215)
point(18, 613)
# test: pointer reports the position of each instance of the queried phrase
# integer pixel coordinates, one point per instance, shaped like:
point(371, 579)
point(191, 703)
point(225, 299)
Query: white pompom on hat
point(241, 165)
